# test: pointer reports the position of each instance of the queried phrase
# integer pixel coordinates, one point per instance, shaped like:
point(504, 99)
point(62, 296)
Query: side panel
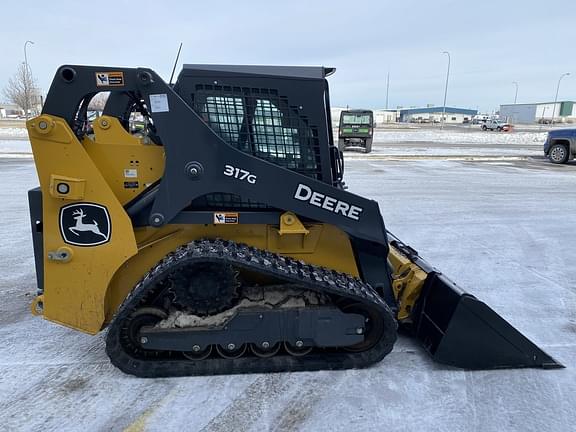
point(35, 205)
point(128, 165)
point(75, 286)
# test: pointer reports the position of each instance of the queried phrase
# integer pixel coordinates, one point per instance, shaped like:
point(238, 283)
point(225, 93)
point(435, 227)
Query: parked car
point(496, 125)
point(560, 145)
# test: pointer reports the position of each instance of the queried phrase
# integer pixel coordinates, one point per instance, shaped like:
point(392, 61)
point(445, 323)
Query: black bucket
point(459, 330)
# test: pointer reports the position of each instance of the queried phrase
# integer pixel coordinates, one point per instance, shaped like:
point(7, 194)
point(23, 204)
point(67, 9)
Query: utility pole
point(387, 88)
point(26, 75)
point(445, 90)
point(511, 118)
point(556, 97)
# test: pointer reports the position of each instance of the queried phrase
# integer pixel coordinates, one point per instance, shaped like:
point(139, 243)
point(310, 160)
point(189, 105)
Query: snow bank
point(457, 137)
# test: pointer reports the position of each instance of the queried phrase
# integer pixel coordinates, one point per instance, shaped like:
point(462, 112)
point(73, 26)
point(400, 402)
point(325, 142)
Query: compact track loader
point(219, 238)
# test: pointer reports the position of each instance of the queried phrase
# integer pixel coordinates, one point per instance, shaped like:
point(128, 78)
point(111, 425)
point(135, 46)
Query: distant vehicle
point(480, 118)
point(496, 125)
point(356, 129)
point(560, 145)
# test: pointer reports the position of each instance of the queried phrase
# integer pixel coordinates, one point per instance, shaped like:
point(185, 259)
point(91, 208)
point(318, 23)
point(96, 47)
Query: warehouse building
point(381, 116)
point(564, 112)
point(430, 114)
point(434, 115)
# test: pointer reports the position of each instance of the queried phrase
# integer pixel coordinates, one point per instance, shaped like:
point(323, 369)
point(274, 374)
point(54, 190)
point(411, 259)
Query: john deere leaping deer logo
point(81, 226)
point(85, 224)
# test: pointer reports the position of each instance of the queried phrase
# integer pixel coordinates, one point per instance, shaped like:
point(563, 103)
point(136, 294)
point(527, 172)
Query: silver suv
point(495, 125)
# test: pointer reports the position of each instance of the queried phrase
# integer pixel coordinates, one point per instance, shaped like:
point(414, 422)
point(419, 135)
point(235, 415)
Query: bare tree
point(22, 90)
point(98, 102)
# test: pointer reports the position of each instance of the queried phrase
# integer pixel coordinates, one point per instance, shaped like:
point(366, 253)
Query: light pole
point(26, 75)
point(515, 99)
point(556, 97)
point(445, 90)
point(387, 87)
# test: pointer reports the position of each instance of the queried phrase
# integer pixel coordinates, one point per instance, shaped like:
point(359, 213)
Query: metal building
point(564, 112)
point(434, 115)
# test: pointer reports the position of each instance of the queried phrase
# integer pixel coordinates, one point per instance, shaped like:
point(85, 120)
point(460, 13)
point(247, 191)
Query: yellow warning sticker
point(225, 218)
point(109, 79)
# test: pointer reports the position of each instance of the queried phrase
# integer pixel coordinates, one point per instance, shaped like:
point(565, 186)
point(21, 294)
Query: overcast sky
point(492, 44)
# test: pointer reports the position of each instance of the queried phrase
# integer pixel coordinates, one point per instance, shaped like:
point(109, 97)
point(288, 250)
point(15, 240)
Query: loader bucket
point(458, 329)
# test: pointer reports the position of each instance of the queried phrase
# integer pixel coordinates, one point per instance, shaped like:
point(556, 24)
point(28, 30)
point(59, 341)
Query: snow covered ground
point(12, 147)
point(503, 230)
point(414, 142)
point(13, 132)
point(458, 136)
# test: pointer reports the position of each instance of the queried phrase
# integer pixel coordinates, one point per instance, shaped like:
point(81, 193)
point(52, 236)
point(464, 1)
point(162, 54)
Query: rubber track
point(311, 277)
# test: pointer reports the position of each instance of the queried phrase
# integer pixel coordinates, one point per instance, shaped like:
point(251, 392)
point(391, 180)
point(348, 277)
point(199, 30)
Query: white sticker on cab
point(159, 103)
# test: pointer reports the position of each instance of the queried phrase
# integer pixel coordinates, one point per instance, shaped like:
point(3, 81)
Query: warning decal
point(225, 218)
point(131, 173)
point(109, 79)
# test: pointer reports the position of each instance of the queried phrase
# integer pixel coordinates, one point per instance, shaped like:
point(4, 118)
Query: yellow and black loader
point(220, 238)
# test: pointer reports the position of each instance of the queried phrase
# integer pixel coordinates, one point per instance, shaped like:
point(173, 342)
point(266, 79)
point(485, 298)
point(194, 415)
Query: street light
point(515, 94)
point(25, 56)
point(387, 87)
point(445, 90)
point(556, 97)
point(26, 75)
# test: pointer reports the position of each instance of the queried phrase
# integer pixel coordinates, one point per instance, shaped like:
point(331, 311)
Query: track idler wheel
point(374, 326)
point(130, 336)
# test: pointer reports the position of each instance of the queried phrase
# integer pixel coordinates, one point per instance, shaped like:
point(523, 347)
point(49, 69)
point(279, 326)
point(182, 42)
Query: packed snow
point(464, 136)
point(11, 147)
point(11, 132)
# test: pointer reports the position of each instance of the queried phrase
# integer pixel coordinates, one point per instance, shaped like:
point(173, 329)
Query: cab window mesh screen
point(225, 115)
point(262, 123)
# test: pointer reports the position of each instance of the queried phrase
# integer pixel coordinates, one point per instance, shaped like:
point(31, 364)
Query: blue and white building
point(434, 115)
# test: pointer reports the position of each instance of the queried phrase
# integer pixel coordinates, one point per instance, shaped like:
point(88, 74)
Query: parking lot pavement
point(503, 230)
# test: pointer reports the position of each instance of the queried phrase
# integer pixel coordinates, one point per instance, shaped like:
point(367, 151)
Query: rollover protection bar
point(459, 330)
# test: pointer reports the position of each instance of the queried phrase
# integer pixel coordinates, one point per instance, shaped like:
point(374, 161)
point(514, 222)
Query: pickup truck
point(560, 145)
point(495, 125)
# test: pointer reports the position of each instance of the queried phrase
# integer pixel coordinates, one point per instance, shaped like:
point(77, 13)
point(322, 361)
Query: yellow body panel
point(85, 289)
point(72, 295)
point(129, 165)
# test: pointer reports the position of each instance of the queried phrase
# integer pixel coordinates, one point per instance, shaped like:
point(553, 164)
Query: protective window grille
point(262, 123)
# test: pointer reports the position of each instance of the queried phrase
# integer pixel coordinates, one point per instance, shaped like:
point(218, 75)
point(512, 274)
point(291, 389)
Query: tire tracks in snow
point(275, 402)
